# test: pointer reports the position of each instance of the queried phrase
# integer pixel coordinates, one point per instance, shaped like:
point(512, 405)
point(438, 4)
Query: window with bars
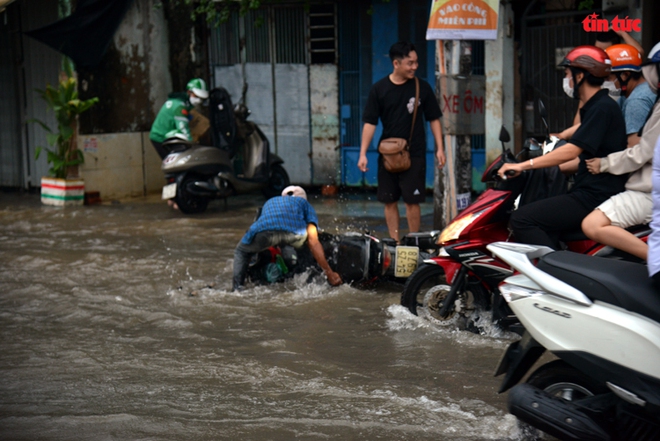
point(224, 45)
point(323, 34)
point(278, 33)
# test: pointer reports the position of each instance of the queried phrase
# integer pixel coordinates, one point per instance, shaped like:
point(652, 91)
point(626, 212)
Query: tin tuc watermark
point(592, 23)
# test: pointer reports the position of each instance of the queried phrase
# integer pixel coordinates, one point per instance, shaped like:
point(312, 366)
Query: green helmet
point(198, 87)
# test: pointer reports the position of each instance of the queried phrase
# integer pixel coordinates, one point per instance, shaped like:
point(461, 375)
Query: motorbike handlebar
point(507, 174)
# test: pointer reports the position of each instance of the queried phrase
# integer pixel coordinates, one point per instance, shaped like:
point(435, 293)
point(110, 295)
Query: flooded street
point(117, 323)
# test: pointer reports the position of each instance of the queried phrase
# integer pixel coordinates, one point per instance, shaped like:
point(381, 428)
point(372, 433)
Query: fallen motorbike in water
point(461, 280)
point(239, 161)
point(601, 318)
point(359, 258)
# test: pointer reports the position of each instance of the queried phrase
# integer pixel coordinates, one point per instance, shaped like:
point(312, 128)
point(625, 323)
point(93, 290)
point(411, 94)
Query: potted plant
point(63, 186)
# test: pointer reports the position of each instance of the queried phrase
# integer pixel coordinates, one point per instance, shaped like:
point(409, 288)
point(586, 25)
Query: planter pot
point(62, 191)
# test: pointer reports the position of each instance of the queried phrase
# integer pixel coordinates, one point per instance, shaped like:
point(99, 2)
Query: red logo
point(592, 23)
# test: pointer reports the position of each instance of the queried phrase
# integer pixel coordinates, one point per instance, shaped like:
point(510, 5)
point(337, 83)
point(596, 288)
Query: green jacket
point(172, 118)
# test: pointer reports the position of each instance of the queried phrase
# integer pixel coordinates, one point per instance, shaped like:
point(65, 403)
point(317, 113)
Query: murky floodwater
point(116, 322)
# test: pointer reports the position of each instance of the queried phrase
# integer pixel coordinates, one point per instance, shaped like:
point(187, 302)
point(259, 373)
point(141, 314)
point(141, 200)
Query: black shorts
point(411, 184)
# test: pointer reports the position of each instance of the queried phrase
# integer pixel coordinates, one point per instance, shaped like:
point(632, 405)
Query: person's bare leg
point(598, 227)
point(414, 216)
point(392, 220)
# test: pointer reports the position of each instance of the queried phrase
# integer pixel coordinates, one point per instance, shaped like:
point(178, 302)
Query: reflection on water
point(117, 322)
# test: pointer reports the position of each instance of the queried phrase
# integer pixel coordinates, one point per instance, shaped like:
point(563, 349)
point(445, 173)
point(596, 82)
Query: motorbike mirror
point(543, 113)
point(542, 110)
point(504, 137)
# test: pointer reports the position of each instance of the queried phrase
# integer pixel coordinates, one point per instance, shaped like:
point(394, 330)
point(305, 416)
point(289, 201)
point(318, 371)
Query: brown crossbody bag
point(396, 151)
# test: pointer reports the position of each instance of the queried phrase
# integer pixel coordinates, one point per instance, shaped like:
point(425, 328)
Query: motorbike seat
point(620, 283)
point(426, 240)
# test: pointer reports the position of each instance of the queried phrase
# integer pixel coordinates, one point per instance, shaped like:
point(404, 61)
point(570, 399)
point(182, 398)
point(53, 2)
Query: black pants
point(162, 152)
point(656, 278)
point(541, 222)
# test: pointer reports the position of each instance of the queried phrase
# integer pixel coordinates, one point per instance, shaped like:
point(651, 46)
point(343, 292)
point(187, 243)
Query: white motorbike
point(601, 319)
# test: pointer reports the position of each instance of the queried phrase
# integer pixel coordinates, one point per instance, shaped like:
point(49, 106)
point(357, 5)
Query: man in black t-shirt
point(392, 99)
point(603, 131)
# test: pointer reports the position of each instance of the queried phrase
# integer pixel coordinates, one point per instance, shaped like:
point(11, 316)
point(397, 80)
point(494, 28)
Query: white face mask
point(196, 101)
point(568, 89)
point(612, 89)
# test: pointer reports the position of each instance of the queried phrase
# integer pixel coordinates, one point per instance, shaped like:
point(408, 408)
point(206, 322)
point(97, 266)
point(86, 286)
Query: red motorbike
point(462, 278)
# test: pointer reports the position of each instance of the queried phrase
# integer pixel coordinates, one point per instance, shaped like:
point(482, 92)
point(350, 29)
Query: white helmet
point(294, 190)
point(651, 69)
point(654, 55)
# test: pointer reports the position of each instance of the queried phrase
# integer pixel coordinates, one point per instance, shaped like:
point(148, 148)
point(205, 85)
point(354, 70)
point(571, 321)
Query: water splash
point(402, 319)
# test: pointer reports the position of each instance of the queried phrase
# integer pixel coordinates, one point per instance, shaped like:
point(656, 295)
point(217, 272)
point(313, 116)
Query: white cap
point(294, 190)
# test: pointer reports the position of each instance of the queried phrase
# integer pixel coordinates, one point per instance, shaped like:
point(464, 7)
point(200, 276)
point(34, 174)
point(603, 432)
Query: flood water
point(117, 323)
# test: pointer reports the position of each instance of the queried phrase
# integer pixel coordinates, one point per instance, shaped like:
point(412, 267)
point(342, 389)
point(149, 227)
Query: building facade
point(308, 67)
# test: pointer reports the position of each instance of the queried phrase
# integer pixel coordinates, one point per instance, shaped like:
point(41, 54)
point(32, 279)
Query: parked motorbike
point(359, 258)
point(239, 161)
point(463, 278)
point(601, 318)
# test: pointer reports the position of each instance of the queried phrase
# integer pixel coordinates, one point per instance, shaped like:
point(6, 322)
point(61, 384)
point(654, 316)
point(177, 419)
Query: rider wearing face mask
point(627, 83)
point(634, 206)
point(174, 117)
point(603, 41)
point(601, 132)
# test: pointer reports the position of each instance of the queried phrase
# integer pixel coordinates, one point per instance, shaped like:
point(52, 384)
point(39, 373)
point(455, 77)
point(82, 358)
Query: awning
point(85, 35)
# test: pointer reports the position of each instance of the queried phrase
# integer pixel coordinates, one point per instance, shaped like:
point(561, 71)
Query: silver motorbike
point(238, 162)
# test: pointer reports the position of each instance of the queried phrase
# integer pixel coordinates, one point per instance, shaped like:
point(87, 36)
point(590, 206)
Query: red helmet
point(589, 58)
point(624, 57)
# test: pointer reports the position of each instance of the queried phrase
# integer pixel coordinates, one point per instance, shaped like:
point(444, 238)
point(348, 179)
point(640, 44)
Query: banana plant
point(63, 100)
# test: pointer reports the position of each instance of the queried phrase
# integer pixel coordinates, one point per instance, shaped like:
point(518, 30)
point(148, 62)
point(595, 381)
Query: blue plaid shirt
point(283, 213)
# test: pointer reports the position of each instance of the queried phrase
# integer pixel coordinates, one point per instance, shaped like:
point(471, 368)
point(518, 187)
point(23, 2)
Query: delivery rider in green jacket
point(174, 117)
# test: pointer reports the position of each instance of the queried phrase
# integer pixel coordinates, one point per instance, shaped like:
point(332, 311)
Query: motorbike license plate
point(169, 191)
point(406, 261)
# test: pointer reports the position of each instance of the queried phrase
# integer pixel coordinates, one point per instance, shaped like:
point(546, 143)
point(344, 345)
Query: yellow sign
point(463, 20)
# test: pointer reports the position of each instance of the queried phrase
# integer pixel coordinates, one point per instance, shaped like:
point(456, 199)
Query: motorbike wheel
point(564, 381)
point(560, 379)
point(189, 203)
point(426, 289)
point(277, 181)
point(425, 278)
